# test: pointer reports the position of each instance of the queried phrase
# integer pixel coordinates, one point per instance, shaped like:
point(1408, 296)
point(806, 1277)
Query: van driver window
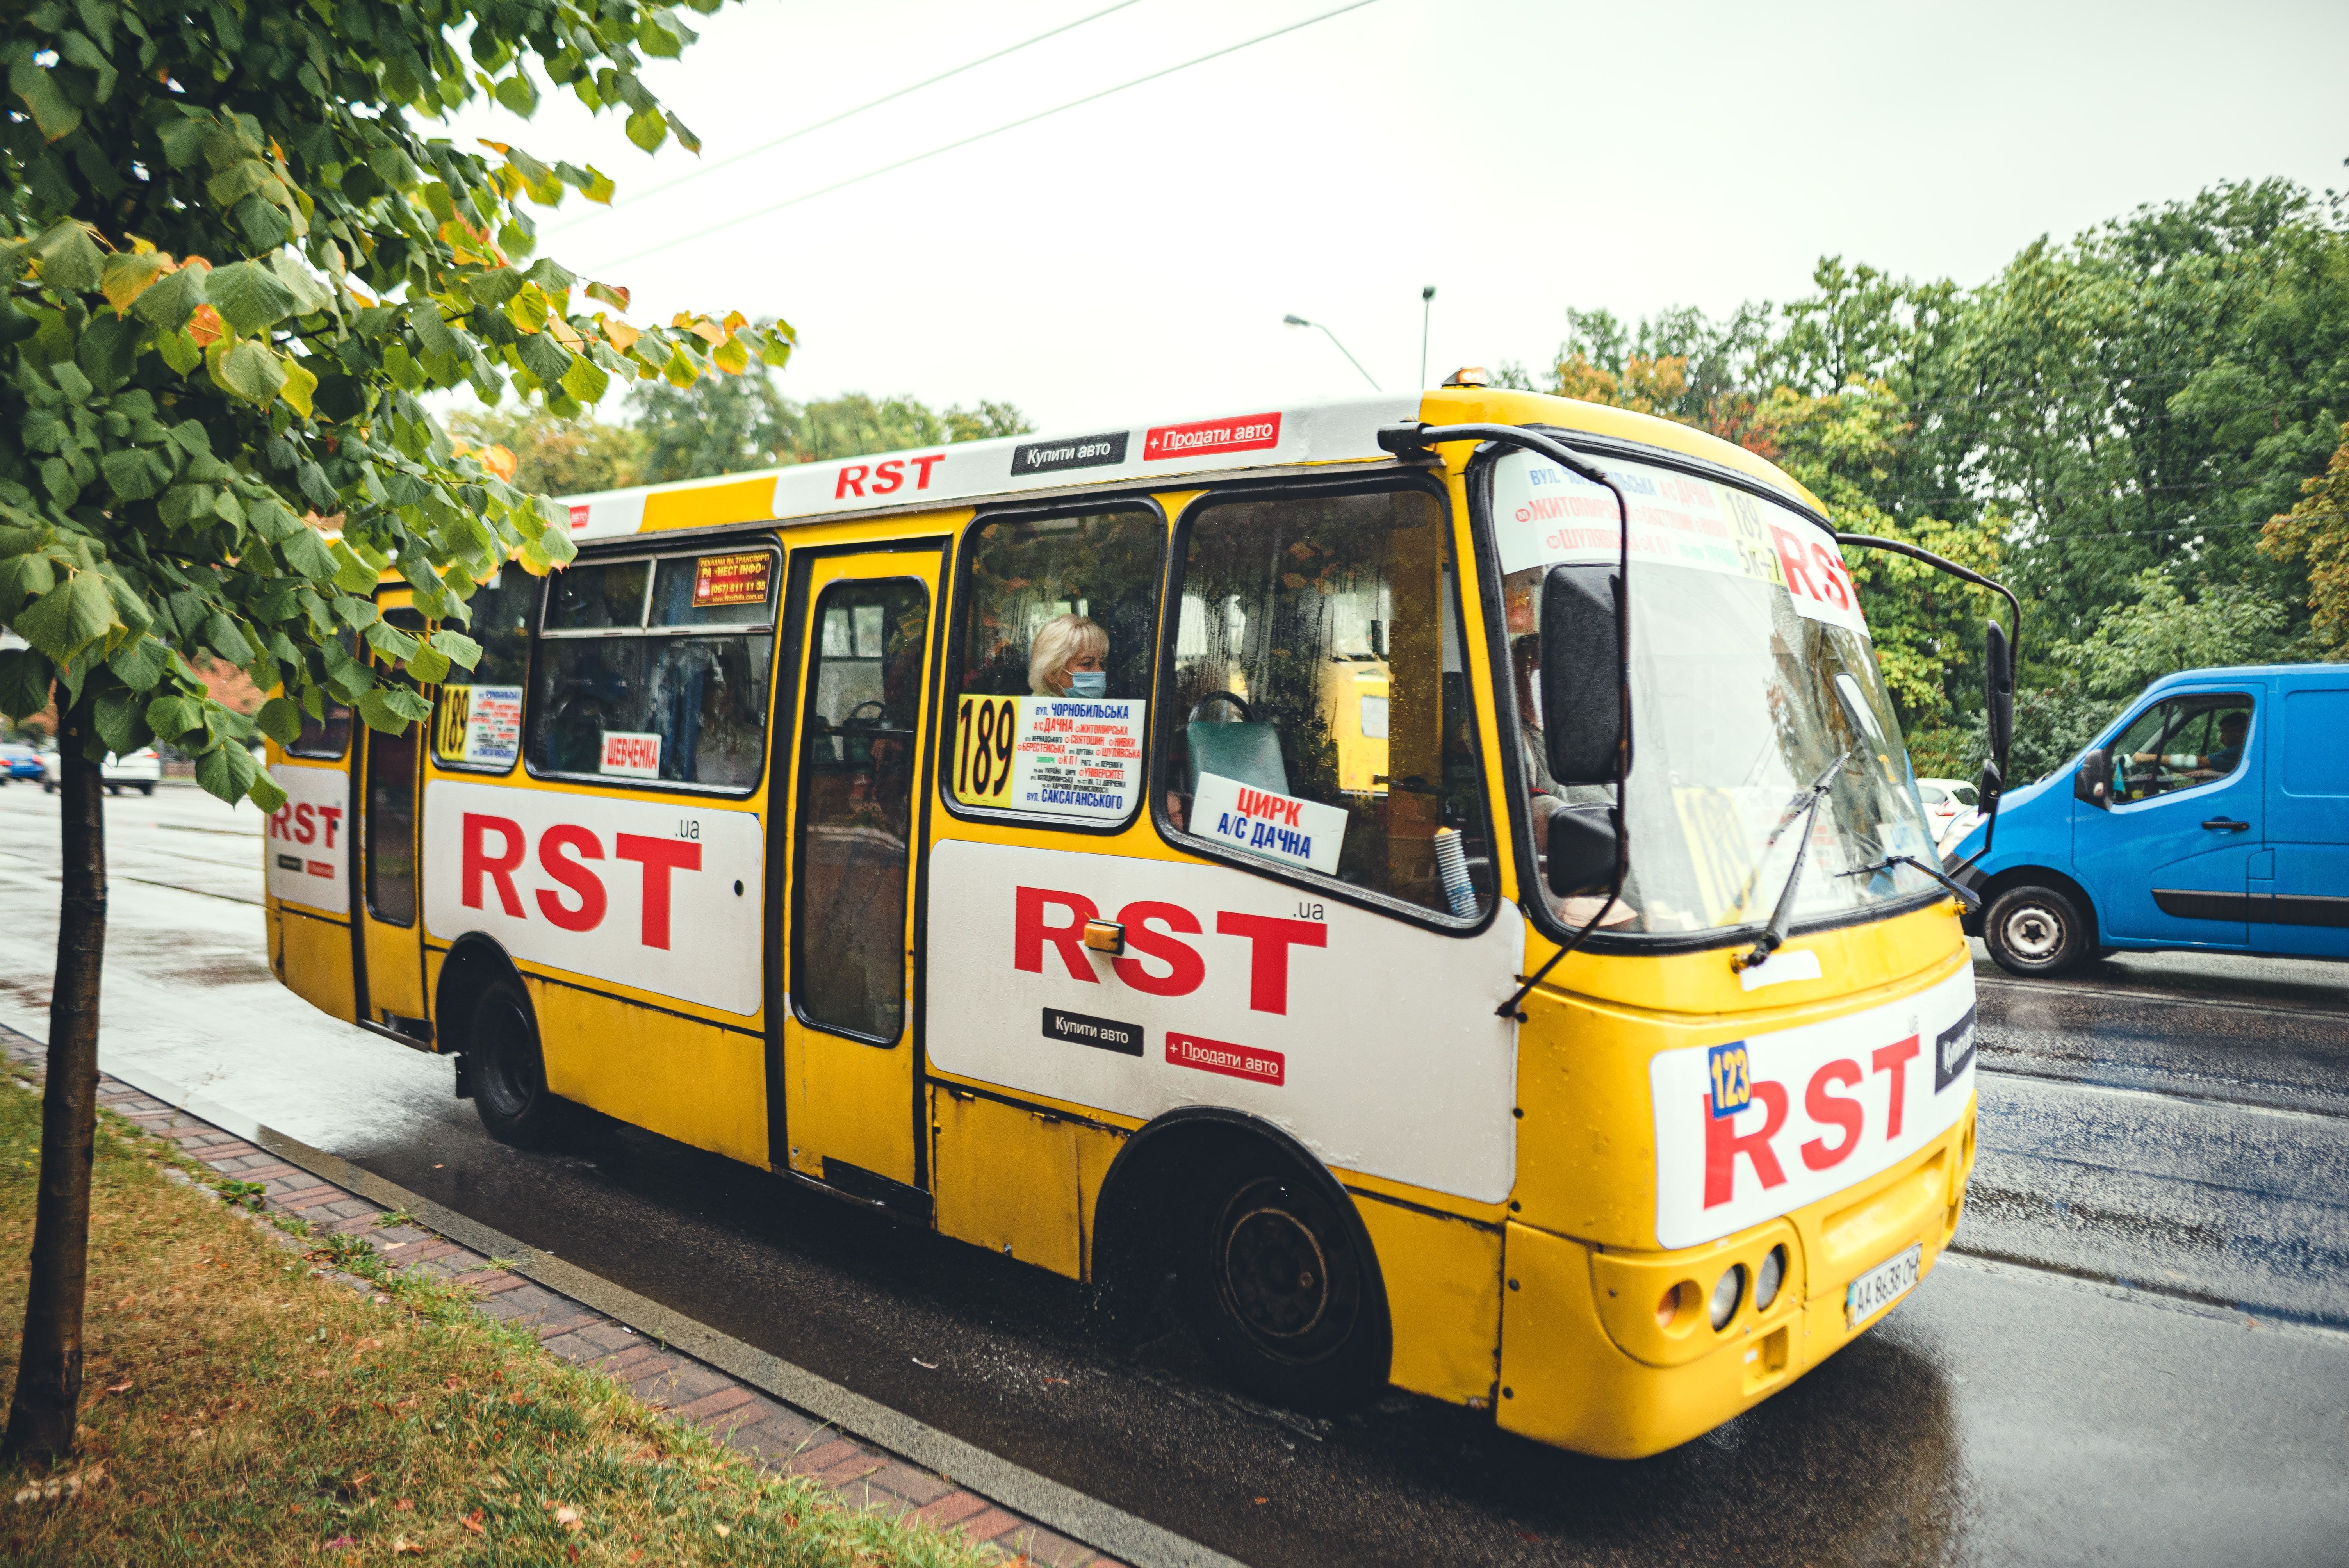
point(1320, 718)
point(2179, 744)
point(1060, 620)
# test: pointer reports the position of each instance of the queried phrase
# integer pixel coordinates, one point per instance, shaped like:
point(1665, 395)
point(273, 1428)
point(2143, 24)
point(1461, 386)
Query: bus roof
point(1340, 430)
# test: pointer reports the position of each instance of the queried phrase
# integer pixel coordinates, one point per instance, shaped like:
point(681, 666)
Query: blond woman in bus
point(1066, 658)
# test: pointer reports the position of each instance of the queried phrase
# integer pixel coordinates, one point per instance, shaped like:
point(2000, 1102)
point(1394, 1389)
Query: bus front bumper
point(1590, 1362)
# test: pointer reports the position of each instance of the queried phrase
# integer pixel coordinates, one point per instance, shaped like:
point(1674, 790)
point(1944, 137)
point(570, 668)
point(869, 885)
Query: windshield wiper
point(1966, 896)
point(1804, 807)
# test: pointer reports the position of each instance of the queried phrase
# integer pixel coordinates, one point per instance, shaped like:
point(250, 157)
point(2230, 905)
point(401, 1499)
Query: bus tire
point(2036, 931)
point(1275, 1287)
point(507, 1073)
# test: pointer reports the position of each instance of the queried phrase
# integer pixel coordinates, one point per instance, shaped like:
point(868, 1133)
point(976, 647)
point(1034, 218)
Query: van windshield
point(1752, 675)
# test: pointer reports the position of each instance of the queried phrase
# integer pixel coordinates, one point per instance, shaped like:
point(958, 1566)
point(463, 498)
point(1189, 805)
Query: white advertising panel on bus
point(1370, 1040)
point(1759, 1127)
point(659, 895)
point(308, 838)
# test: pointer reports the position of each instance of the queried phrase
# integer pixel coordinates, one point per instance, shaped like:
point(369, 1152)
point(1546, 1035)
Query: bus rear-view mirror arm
point(2000, 653)
point(1586, 615)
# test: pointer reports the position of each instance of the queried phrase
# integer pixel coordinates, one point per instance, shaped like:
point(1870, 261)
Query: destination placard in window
point(731, 579)
point(1068, 757)
point(1284, 828)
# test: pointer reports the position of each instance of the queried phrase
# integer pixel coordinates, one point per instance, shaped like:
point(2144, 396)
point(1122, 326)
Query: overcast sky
point(1134, 257)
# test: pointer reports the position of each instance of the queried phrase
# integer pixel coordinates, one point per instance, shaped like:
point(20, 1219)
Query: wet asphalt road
point(2142, 1356)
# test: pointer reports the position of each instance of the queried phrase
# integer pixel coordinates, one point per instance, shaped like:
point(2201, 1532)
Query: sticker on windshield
point(1542, 515)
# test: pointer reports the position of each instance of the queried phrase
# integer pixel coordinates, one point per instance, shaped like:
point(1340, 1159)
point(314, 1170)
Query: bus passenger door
point(861, 630)
point(391, 940)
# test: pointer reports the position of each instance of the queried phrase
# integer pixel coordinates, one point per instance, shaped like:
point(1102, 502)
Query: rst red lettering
point(1832, 569)
point(851, 481)
point(1270, 938)
point(1831, 1110)
point(658, 857)
point(589, 887)
point(306, 824)
point(1185, 968)
point(1724, 1144)
point(477, 861)
point(1791, 560)
point(1893, 1060)
point(1029, 932)
point(925, 464)
point(889, 475)
point(332, 816)
point(278, 820)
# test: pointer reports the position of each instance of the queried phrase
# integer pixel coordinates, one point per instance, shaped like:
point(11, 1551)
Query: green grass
point(239, 1408)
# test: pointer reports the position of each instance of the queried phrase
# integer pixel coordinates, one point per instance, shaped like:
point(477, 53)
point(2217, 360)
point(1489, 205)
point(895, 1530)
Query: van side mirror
point(1998, 691)
point(2094, 780)
point(1582, 692)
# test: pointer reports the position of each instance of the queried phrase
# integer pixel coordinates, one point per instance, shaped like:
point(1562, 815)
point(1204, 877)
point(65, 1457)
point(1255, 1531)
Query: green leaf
point(222, 636)
point(544, 358)
point(37, 90)
point(185, 504)
point(280, 719)
point(647, 129)
point(519, 93)
point(308, 553)
point(134, 473)
point(586, 380)
point(353, 576)
point(126, 274)
point(227, 770)
point(253, 373)
point(141, 666)
point(392, 708)
point(273, 521)
point(175, 717)
point(179, 351)
point(462, 650)
point(71, 262)
point(121, 722)
point(299, 386)
point(24, 577)
point(389, 640)
point(265, 793)
point(355, 611)
point(249, 297)
point(68, 617)
point(428, 664)
point(24, 683)
point(310, 295)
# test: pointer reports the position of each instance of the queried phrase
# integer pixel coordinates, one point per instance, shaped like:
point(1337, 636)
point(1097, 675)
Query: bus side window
point(657, 670)
point(328, 737)
point(1057, 608)
point(477, 711)
point(1318, 692)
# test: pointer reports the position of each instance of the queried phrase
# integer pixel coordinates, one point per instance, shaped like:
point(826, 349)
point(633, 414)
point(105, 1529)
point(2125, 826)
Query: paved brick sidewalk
point(777, 1434)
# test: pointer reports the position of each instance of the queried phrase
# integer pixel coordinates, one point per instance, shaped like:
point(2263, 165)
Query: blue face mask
point(1087, 682)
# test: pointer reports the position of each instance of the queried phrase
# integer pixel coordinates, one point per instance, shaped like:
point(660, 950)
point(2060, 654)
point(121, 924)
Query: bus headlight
point(1726, 1295)
point(1768, 1278)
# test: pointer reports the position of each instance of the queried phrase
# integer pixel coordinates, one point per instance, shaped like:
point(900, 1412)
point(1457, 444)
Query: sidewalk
point(770, 1431)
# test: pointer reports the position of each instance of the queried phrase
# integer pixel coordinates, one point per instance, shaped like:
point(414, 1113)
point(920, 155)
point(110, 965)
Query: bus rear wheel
point(2035, 932)
point(508, 1073)
point(1277, 1289)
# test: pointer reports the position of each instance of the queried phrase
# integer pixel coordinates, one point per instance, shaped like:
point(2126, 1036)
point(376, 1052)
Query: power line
point(980, 136)
point(701, 170)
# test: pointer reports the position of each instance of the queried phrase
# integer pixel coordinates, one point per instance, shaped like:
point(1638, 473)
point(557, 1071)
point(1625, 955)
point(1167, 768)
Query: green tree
point(2316, 529)
point(230, 263)
point(2163, 631)
point(554, 455)
point(733, 427)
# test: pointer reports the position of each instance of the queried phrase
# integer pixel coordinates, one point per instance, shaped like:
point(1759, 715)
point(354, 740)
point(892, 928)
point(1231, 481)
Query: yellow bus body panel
point(312, 956)
point(695, 1082)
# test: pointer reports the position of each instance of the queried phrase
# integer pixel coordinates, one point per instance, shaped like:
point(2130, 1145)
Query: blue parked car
point(19, 761)
point(2213, 815)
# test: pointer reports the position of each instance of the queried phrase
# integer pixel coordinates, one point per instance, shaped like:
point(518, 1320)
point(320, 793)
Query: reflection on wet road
point(2176, 1124)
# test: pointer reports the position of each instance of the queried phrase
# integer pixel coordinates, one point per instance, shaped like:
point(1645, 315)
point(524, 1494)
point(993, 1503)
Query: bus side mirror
point(2094, 781)
point(1579, 857)
point(1582, 692)
point(1998, 691)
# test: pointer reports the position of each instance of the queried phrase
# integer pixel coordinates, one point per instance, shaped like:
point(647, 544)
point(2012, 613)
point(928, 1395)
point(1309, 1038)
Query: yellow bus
point(1143, 853)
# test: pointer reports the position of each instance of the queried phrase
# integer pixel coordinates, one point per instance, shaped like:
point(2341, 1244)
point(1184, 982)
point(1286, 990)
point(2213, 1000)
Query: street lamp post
point(1293, 319)
point(1426, 308)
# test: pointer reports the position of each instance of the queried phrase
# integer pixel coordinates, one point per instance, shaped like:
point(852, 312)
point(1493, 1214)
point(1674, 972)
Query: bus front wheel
point(1277, 1290)
point(2035, 932)
point(507, 1072)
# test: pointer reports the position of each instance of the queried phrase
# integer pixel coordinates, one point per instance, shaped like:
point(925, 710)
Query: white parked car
point(1950, 806)
point(141, 770)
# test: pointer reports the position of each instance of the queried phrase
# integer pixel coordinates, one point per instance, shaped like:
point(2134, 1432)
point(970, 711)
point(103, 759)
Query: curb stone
point(744, 1412)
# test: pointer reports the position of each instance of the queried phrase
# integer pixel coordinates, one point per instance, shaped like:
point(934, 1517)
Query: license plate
point(1880, 1286)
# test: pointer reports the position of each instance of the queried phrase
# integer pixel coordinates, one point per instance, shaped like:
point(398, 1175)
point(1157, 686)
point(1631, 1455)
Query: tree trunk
point(48, 1375)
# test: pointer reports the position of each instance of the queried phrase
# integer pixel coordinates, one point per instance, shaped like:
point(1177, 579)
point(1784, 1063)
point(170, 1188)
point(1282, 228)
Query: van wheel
point(1277, 1291)
point(2035, 932)
point(508, 1075)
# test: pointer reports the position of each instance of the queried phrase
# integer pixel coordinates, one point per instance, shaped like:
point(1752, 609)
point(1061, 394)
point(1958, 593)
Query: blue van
point(2214, 814)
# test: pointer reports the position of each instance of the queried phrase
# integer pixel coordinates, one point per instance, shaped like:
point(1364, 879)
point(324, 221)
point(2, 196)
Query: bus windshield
point(1752, 677)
